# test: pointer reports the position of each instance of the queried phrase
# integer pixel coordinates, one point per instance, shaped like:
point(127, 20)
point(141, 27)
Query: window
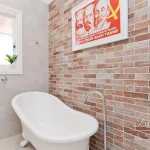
point(10, 39)
point(6, 37)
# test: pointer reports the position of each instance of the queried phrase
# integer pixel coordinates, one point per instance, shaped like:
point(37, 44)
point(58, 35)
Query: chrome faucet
point(104, 110)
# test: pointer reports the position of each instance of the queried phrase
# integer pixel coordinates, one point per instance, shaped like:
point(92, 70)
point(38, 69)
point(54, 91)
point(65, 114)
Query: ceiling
point(47, 1)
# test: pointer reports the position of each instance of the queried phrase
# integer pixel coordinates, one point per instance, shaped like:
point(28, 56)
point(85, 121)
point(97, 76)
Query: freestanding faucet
point(104, 110)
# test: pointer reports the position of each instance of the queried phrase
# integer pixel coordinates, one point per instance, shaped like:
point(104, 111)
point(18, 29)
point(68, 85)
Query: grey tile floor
point(13, 143)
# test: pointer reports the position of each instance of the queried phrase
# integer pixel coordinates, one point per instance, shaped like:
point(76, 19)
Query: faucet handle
point(4, 79)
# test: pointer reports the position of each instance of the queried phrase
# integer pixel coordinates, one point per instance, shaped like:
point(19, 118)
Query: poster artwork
point(96, 20)
point(99, 19)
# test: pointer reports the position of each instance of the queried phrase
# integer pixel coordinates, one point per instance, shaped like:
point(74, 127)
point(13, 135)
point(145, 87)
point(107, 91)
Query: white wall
point(35, 62)
point(46, 1)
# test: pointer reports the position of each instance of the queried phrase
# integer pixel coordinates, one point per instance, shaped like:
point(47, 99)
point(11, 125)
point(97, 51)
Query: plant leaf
point(11, 59)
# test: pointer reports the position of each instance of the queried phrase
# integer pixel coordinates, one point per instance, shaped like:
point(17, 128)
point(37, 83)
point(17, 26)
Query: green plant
point(11, 59)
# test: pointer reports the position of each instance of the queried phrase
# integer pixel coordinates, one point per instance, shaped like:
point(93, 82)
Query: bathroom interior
point(74, 74)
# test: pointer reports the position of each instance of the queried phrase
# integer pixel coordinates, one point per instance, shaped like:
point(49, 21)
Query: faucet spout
point(94, 92)
point(104, 110)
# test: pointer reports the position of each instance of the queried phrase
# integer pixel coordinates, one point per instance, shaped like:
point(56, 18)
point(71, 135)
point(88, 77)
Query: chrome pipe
point(104, 110)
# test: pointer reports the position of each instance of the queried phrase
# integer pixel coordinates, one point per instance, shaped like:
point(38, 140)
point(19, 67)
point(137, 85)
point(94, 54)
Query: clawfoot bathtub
point(49, 124)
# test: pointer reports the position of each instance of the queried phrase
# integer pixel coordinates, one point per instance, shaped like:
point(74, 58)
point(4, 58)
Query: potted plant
point(11, 58)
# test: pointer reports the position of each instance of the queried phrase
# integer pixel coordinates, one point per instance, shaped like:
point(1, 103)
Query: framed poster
point(97, 22)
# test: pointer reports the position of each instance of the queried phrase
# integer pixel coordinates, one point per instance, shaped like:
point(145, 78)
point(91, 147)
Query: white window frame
point(17, 68)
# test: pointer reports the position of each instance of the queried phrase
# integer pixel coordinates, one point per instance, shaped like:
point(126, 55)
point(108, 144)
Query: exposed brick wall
point(119, 70)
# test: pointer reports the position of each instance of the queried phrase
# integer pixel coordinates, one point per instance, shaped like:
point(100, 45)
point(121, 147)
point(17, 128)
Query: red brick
point(142, 90)
point(142, 37)
point(128, 52)
point(89, 85)
point(124, 76)
point(141, 57)
point(104, 66)
point(136, 82)
point(83, 89)
point(142, 50)
point(142, 76)
point(124, 65)
point(137, 70)
point(142, 24)
point(90, 76)
point(131, 16)
point(78, 59)
point(139, 32)
point(136, 108)
point(68, 75)
point(130, 131)
point(112, 60)
point(112, 92)
point(142, 63)
point(136, 95)
point(114, 49)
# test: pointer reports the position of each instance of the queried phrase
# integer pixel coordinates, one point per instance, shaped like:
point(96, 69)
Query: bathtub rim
point(39, 134)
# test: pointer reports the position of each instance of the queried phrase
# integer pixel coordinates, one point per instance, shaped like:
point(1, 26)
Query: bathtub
point(49, 124)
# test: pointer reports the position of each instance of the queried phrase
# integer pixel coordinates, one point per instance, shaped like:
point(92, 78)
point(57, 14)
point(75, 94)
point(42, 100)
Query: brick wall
point(119, 70)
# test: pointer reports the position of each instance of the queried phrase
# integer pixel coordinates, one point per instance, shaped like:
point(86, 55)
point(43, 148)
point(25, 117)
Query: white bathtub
point(49, 124)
